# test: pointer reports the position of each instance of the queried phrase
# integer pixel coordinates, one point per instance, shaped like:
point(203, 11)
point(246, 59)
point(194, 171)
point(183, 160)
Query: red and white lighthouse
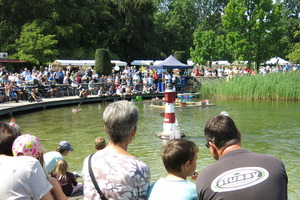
point(171, 129)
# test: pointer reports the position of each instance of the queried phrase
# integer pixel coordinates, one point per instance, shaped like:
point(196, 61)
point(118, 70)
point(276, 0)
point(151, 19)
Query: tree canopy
point(44, 30)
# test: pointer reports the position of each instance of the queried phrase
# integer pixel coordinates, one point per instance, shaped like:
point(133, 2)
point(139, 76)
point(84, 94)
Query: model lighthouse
point(171, 129)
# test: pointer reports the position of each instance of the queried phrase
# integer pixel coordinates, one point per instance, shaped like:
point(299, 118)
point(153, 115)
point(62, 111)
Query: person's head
point(8, 134)
point(61, 167)
point(120, 121)
point(221, 131)
point(99, 143)
point(28, 145)
point(180, 154)
point(64, 147)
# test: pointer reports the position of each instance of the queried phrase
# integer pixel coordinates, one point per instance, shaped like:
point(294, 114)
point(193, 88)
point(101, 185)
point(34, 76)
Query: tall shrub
point(102, 62)
point(181, 56)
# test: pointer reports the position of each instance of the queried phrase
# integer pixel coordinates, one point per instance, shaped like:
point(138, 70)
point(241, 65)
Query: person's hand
point(194, 176)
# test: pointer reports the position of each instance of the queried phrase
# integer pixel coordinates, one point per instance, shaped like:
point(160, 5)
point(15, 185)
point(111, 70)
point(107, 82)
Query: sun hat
point(28, 145)
point(65, 145)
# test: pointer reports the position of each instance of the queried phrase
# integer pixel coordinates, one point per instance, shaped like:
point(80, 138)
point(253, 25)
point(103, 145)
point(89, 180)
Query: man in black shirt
point(238, 173)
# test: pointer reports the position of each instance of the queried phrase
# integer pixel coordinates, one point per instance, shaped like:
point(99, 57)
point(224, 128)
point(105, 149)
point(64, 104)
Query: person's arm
point(47, 196)
point(39, 185)
point(73, 179)
point(56, 190)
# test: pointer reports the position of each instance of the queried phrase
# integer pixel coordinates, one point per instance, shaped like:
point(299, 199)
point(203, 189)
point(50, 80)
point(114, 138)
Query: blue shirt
point(165, 189)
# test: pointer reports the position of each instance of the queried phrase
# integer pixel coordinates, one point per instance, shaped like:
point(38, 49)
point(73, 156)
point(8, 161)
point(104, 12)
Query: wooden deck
point(13, 107)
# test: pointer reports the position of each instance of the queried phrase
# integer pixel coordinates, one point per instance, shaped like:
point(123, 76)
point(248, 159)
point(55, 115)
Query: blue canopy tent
point(171, 63)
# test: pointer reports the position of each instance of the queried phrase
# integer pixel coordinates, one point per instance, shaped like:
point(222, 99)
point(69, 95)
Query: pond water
point(266, 127)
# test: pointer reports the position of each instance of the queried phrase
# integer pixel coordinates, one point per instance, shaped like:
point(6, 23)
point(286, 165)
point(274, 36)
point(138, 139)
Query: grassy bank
point(273, 86)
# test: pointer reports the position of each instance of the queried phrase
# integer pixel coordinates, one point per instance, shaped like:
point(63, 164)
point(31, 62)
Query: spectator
point(53, 90)
point(29, 145)
point(119, 175)
point(63, 149)
point(99, 143)
point(66, 180)
point(83, 94)
point(179, 157)
point(21, 177)
point(238, 173)
point(91, 87)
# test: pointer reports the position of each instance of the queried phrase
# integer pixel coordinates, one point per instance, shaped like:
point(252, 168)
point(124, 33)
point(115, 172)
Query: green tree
point(208, 47)
point(13, 15)
point(181, 56)
point(132, 29)
point(290, 22)
point(34, 46)
point(253, 29)
point(294, 56)
point(210, 14)
point(102, 62)
point(175, 23)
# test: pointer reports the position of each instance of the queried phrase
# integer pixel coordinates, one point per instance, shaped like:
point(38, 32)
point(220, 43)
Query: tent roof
point(171, 63)
point(142, 62)
point(85, 62)
point(277, 60)
point(220, 62)
point(118, 63)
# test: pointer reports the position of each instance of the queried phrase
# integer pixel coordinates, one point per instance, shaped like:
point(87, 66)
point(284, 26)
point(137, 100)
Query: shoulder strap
point(94, 180)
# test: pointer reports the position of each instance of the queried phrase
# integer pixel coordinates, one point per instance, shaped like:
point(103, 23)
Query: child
point(99, 143)
point(66, 179)
point(29, 145)
point(179, 157)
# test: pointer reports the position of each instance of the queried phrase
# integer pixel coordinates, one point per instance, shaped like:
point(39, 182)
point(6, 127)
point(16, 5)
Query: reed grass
point(273, 86)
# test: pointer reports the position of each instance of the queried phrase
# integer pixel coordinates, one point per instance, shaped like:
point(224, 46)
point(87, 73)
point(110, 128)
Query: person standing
point(238, 173)
point(50, 158)
point(118, 174)
point(179, 157)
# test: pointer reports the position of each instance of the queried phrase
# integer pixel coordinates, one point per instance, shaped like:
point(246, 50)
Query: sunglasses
point(207, 144)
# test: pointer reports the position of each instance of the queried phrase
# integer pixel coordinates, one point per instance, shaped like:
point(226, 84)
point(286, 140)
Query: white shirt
point(22, 178)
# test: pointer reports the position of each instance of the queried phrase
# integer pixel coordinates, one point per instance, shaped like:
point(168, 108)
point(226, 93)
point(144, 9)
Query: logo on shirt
point(239, 178)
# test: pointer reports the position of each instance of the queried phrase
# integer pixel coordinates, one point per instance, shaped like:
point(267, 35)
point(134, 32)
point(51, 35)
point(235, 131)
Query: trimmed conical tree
point(181, 56)
point(102, 62)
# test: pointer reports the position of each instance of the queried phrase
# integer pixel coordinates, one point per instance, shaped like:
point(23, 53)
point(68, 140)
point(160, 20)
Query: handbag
point(102, 197)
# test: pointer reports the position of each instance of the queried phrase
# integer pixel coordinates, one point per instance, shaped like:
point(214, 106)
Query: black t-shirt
point(241, 174)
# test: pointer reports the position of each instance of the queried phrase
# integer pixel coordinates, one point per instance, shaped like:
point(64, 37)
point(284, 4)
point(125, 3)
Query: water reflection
point(267, 127)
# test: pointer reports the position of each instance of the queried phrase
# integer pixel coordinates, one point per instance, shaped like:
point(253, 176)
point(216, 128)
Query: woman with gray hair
point(118, 174)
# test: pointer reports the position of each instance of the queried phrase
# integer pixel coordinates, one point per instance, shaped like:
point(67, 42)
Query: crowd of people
point(46, 82)
point(36, 84)
point(230, 71)
point(113, 173)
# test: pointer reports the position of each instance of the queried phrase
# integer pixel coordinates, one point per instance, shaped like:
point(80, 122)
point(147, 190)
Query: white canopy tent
point(220, 62)
point(157, 62)
point(277, 61)
point(189, 62)
point(118, 63)
point(142, 62)
point(84, 63)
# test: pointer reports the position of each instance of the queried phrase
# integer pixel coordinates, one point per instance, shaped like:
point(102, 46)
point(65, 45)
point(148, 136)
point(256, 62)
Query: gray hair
point(120, 120)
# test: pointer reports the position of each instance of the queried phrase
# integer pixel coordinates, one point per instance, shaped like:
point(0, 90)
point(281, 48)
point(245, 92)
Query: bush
point(102, 62)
